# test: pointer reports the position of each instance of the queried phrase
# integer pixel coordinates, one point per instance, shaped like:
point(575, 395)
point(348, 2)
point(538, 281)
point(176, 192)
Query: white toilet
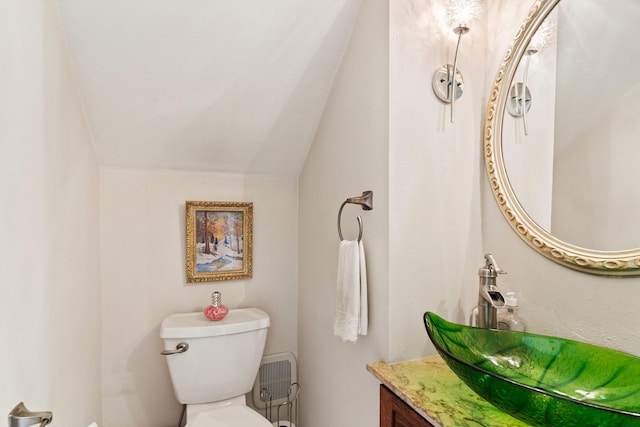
point(218, 365)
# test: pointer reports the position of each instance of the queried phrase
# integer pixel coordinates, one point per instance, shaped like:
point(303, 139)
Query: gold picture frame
point(219, 241)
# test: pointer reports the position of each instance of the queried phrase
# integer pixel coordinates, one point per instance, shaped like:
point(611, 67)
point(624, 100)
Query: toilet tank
point(223, 357)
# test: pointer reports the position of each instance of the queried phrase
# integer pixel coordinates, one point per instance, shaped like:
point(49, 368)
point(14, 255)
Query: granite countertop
point(438, 395)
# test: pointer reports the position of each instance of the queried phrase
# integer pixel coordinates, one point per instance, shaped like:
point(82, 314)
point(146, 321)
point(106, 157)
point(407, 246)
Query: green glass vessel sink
point(542, 380)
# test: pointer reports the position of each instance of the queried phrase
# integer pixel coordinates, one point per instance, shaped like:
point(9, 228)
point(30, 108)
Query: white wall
point(349, 155)
point(143, 247)
point(49, 251)
point(424, 240)
point(434, 173)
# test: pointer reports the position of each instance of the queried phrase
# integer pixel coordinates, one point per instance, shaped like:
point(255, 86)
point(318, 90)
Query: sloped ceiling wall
point(204, 85)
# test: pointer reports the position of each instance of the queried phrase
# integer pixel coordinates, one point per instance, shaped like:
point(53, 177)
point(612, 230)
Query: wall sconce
point(447, 81)
point(520, 99)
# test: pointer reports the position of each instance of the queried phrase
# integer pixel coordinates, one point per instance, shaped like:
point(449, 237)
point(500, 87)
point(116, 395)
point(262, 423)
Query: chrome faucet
point(490, 298)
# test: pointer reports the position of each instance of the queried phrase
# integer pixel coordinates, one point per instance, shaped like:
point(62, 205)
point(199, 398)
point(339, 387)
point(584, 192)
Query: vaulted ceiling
point(206, 85)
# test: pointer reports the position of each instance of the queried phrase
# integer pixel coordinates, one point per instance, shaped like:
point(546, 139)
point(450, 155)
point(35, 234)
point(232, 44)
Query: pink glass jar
point(217, 310)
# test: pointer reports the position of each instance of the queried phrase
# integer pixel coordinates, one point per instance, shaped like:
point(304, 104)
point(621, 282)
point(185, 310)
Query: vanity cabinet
point(394, 412)
point(426, 393)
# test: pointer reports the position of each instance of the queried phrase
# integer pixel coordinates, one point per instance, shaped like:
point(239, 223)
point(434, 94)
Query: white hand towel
point(93, 425)
point(364, 308)
point(351, 317)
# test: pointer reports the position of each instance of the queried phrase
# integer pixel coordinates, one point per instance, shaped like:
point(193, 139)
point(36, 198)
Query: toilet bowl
point(213, 364)
point(228, 414)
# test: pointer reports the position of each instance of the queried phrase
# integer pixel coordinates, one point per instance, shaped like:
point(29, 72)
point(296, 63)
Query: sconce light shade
point(461, 13)
point(447, 81)
point(543, 36)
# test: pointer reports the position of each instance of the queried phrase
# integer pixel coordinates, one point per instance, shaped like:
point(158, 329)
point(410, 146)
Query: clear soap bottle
point(508, 319)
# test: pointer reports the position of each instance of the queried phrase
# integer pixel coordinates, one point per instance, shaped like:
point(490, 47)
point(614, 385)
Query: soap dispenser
point(508, 319)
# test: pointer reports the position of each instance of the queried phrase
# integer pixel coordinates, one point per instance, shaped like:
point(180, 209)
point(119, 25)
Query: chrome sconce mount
point(520, 98)
point(447, 81)
point(442, 84)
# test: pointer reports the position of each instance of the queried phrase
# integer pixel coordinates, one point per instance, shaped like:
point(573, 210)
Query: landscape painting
point(219, 240)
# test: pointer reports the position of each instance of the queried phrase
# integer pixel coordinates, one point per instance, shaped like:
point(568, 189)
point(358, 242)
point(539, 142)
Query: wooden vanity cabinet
point(394, 412)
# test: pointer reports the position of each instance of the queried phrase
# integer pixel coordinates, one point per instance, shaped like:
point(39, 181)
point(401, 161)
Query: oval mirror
point(561, 110)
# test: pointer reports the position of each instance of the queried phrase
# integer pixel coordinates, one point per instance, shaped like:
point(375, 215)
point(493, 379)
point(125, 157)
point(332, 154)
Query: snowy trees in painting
point(219, 239)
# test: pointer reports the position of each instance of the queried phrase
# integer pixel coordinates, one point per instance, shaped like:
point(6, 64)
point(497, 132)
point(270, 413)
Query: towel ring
point(360, 226)
point(366, 201)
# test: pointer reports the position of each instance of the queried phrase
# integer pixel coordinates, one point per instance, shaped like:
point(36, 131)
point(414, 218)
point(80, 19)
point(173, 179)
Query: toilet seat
point(230, 416)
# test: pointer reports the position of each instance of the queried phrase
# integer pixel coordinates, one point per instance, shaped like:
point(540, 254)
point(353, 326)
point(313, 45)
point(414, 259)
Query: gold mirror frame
point(604, 263)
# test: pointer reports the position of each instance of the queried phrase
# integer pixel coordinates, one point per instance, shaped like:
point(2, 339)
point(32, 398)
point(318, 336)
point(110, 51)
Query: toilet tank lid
point(195, 325)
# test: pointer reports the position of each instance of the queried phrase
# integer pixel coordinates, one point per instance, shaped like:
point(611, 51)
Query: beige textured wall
point(49, 222)
point(348, 156)
point(143, 273)
point(434, 173)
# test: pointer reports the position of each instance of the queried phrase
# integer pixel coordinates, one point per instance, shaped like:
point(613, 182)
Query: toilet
point(213, 364)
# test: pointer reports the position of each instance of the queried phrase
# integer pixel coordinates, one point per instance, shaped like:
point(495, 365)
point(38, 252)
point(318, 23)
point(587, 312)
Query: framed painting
point(219, 241)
